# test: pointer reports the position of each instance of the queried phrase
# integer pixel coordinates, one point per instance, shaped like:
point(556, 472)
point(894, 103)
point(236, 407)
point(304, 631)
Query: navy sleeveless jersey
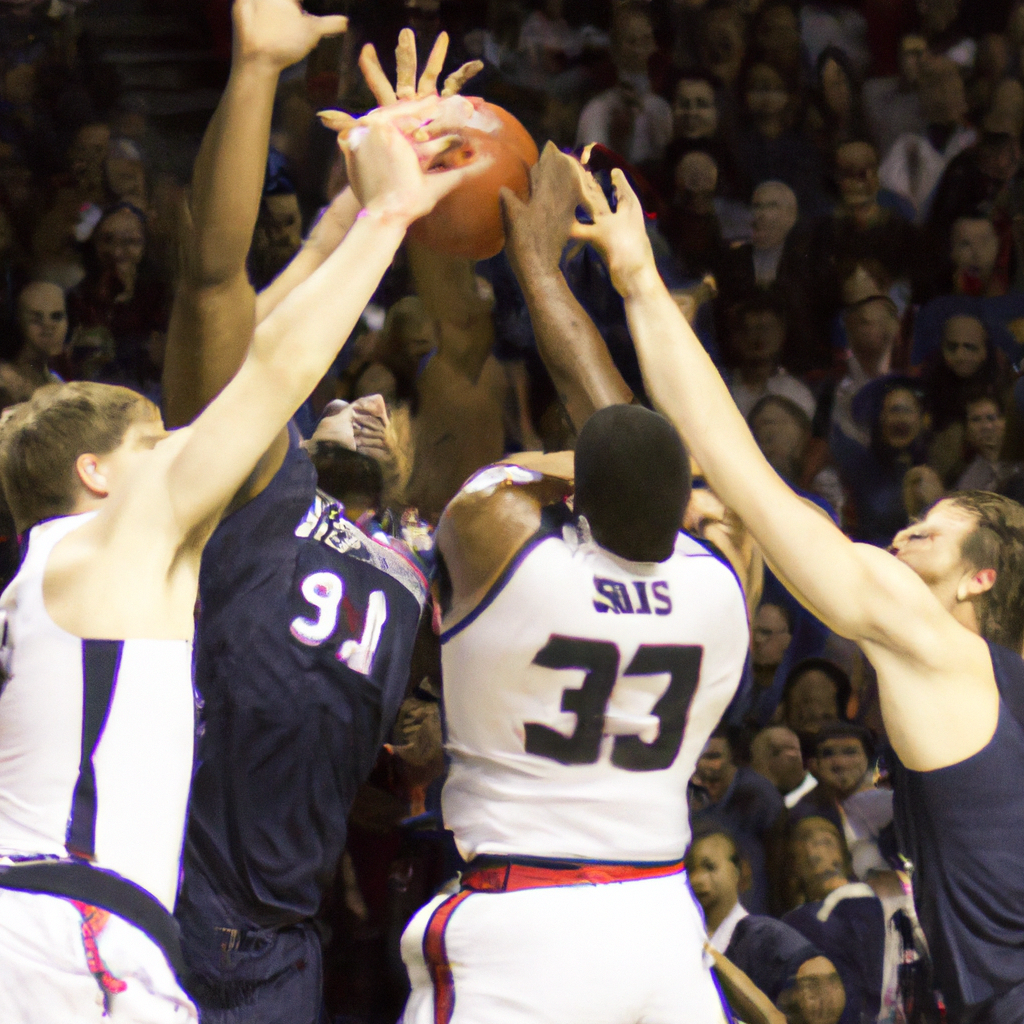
point(305, 634)
point(963, 828)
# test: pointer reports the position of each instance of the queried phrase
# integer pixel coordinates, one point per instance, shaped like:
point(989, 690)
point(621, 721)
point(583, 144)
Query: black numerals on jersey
point(600, 660)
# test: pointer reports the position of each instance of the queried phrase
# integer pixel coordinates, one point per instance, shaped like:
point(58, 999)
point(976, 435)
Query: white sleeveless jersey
point(579, 695)
point(96, 737)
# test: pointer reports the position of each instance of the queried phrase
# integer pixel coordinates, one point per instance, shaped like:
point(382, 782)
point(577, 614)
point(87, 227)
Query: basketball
point(467, 222)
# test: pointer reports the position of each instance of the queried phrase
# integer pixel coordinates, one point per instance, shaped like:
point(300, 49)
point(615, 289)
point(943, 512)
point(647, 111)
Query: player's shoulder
point(701, 554)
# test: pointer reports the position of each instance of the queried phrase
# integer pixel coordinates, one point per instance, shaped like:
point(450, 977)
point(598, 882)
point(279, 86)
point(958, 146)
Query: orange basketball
point(468, 221)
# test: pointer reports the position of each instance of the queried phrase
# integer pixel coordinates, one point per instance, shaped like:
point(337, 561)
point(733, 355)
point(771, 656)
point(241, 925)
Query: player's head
point(632, 482)
point(354, 479)
point(970, 547)
point(715, 869)
point(69, 442)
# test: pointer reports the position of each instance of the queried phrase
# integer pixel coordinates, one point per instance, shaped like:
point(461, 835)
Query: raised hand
point(536, 231)
point(406, 87)
point(279, 32)
point(620, 237)
point(389, 173)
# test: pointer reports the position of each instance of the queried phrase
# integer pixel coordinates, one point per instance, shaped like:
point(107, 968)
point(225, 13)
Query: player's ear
point(979, 583)
point(92, 475)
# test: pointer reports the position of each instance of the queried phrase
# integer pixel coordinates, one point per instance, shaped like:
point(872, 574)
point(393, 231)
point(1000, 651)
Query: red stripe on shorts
point(515, 877)
point(436, 956)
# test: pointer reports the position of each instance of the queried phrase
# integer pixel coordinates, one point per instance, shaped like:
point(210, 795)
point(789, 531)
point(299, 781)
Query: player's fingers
point(623, 191)
point(429, 151)
point(442, 183)
point(457, 79)
point(369, 64)
point(331, 25)
point(405, 61)
point(336, 120)
point(511, 204)
point(435, 64)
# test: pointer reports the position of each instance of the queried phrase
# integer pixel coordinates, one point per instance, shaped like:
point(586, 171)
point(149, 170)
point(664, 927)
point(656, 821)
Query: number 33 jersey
point(579, 695)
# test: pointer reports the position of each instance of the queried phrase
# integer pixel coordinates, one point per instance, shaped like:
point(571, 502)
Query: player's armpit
point(484, 526)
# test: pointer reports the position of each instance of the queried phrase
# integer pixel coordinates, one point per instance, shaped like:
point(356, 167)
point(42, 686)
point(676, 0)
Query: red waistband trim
point(511, 877)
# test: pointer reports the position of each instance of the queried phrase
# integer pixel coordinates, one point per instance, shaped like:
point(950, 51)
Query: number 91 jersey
point(579, 695)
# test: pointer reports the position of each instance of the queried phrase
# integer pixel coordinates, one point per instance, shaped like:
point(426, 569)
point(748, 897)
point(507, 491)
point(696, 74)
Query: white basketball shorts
point(45, 977)
point(615, 953)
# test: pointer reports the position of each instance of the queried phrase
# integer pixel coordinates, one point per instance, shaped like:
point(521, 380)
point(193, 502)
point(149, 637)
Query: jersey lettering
point(600, 660)
point(324, 591)
point(616, 598)
point(359, 656)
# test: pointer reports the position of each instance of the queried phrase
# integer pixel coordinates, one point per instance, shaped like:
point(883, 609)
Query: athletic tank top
point(95, 737)
point(963, 828)
point(579, 694)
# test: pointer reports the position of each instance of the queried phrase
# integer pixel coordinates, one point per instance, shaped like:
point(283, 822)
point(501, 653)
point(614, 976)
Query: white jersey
point(579, 695)
point(96, 737)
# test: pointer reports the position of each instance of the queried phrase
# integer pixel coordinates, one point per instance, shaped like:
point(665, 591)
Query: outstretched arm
point(536, 233)
point(296, 344)
point(214, 310)
point(861, 592)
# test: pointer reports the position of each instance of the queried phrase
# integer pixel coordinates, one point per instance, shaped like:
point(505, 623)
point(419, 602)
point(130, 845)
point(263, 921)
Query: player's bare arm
point(938, 690)
point(178, 493)
point(536, 233)
point(492, 517)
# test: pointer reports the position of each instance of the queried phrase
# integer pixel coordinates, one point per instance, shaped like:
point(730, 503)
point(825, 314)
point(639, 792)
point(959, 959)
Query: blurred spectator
point(278, 234)
point(722, 45)
point(775, 38)
point(975, 252)
point(826, 24)
point(817, 691)
point(916, 160)
point(125, 174)
point(835, 115)
point(984, 436)
point(873, 475)
point(121, 294)
point(768, 951)
point(691, 227)
point(629, 118)
point(782, 430)
point(892, 105)
point(872, 329)
point(768, 146)
point(760, 261)
point(842, 757)
point(735, 797)
point(775, 754)
point(42, 329)
point(758, 341)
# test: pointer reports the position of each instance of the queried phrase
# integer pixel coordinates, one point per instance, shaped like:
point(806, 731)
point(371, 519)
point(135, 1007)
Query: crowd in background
point(850, 175)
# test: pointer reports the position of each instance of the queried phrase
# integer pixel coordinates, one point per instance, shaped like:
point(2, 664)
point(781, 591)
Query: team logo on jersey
point(643, 599)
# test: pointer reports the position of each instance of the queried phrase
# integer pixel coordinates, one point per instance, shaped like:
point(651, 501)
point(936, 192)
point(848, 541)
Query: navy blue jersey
point(963, 828)
point(305, 634)
point(769, 952)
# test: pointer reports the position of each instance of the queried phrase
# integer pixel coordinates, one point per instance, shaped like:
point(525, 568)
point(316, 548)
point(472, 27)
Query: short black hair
point(347, 476)
point(846, 730)
point(830, 669)
point(711, 827)
point(632, 481)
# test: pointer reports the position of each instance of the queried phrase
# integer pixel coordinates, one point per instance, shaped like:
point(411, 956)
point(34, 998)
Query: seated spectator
point(629, 118)
point(691, 227)
point(736, 798)
point(872, 329)
point(966, 365)
point(758, 262)
point(984, 436)
point(770, 635)
point(769, 952)
point(768, 147)
point(278, 234)
point(841, 761)
point(125, 174)
point(873, 475)
point(775, 754)
point(783, 432)
point(860, 228)
point(892, 105)
point(722, 44)
point(844, 919)
point(916, 161)
point(42, 329)
point(775, 37)
point(758, 341)
point(980, 260)
point(817, 691)
point(835, 115)
point(119, 294)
